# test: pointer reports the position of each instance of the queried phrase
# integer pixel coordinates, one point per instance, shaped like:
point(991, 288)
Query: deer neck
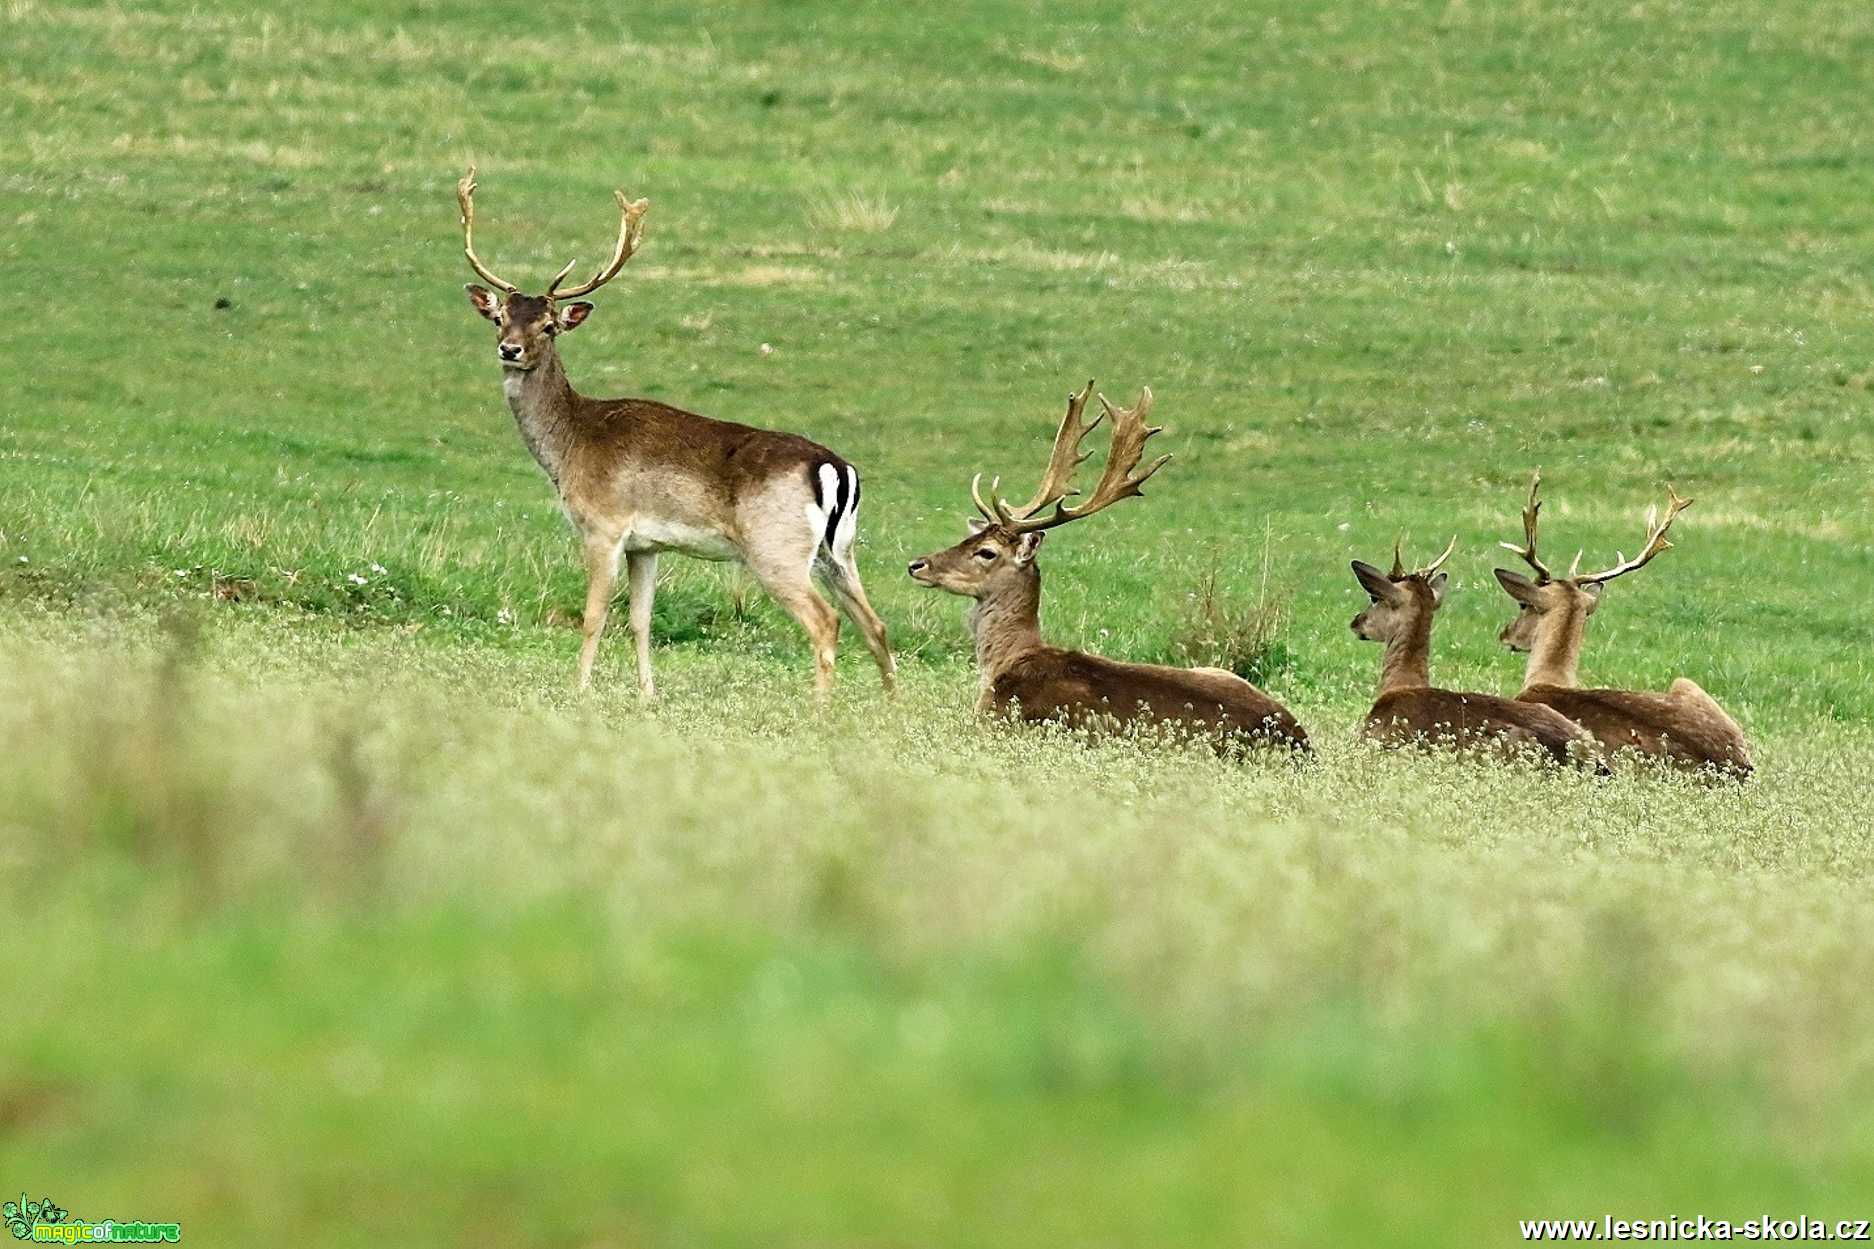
point(542, 400)
point(1407, 664)
point(1556, 651)
point(1007, 624)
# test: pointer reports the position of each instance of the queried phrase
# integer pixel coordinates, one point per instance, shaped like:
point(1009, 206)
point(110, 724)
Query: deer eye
point(986, 553)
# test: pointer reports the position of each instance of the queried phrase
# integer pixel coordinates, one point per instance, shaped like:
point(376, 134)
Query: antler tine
point(630, 232)
point(1130, 434)
point(1655, 541)
point(1531, 513)
point(1438, 563)
point(1399, 572)
point(1058, 482)
point(465, 198)
point(976, 493)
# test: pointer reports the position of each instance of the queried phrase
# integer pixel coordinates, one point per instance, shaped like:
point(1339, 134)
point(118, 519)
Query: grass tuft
point(853, 212)
point(1243, 635)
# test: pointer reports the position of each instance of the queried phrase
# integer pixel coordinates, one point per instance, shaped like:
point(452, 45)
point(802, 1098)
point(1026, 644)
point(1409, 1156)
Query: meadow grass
point(332, 914)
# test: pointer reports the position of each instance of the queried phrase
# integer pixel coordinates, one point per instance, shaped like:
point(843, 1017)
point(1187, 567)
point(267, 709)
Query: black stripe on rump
point(841, 490)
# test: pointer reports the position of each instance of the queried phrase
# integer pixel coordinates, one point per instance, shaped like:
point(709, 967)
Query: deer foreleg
point(601, 577)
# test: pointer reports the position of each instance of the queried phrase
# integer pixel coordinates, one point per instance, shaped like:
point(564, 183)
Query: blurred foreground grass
point(316, 936)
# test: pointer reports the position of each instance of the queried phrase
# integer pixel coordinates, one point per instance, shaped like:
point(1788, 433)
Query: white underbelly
point(649, 534)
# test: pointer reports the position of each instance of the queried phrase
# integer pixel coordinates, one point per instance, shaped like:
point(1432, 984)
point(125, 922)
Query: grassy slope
point(1376, 263)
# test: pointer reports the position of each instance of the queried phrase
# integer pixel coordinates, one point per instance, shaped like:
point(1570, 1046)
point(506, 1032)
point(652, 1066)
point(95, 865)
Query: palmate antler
point(1527, 550)
point(1398, 560)
point(1119, 480)
point(630, 233)
point(1655, 543)
point(1058, 482)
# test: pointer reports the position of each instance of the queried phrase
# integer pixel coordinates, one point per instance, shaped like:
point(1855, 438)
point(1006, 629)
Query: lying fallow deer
point(638, 477)
point(1684, 725)
point(1017, 671)
point(1409, 711)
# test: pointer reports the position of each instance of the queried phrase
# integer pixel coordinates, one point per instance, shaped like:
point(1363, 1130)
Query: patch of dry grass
point(853, 212)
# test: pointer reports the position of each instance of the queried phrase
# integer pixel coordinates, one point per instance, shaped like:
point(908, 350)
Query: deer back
point(1090, 690)
point(1684, 727)
point(1469, 721)
point(631, 457)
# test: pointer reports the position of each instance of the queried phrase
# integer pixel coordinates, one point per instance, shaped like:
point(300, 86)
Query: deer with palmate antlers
point(1684, 725)
point(637, 477)
point(1409, 711)
point(1020, 673)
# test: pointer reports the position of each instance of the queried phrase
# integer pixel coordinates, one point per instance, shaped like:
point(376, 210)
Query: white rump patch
point(827, 479)
point(849, 523)
point(829, 492)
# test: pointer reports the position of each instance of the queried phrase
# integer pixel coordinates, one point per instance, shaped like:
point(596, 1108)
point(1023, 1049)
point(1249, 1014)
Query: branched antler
point(1058, 482)
point(1399, 572)
point(1119, 480)
point(465, 197)
point(630, 232)
point(1655, 543)
point(1530, 514)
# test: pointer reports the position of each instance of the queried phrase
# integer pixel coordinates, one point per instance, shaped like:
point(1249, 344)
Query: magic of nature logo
point(47, 1222)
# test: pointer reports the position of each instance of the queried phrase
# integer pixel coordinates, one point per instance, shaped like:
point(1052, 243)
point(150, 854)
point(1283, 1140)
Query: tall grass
point(346, 867)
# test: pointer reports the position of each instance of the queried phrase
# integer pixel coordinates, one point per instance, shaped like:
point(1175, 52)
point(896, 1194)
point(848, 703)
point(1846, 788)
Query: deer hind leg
point(641, 578)
point(842, 578)
point(787, 576)
point(601, 576)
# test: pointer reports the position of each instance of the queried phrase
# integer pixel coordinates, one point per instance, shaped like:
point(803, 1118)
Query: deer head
point(1402, 601)
point(999, 553)
point(1578, 594)
point(528, 324)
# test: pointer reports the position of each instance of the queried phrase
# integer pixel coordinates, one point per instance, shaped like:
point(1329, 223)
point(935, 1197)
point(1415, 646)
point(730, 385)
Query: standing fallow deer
point(637, 477)
point(1684, 725)
point(1409, 711)
point(1020, 673)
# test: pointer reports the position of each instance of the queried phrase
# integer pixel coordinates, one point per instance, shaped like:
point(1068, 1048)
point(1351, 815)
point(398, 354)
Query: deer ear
point(1375, 582)
point(1028, 546)
point(483, 301)
point(1438, 585)
point(977, 524)
point(573, 315)
point(1593, 591)
point(1518, 587)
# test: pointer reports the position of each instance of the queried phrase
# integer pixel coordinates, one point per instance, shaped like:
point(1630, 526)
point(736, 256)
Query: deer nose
point(510, 351)
point(917, 566)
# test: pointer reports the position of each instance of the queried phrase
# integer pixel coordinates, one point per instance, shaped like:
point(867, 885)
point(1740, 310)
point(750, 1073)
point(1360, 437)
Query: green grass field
point(333, 916)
